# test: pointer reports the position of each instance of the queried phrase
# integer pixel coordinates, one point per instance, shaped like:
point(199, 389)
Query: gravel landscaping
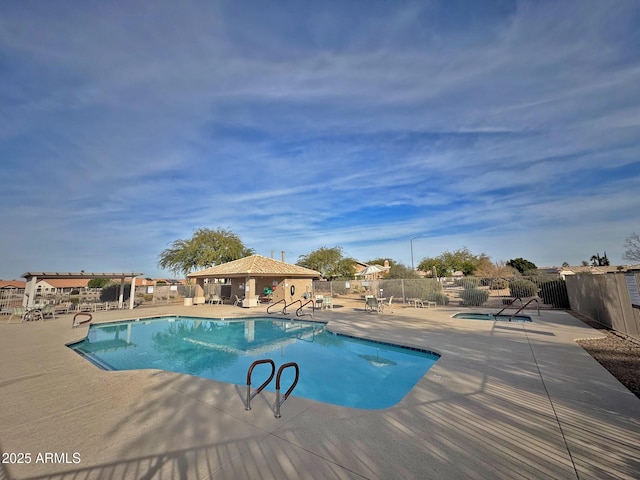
point(620, 355)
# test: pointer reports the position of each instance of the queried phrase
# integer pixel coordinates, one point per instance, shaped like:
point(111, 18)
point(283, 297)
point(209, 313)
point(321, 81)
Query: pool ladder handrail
point(508, 305)
point(276, 303)
point(293, 385)
point(299, 309)
point(247, 405)
point(525, 306)
point(287, 305)
point(279, 400)
point(284, 310)
point(302, 305)
point(75, 323)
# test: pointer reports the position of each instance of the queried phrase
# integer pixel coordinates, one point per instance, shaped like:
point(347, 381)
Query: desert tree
point(204, 249)
point(330, 262)
point(449, 262)
point(522, 265)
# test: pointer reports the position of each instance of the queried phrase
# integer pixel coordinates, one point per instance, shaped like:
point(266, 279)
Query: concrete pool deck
point(505, 401)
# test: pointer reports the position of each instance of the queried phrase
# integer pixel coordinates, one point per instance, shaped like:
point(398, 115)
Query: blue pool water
point(335, 369)
point(490, 316)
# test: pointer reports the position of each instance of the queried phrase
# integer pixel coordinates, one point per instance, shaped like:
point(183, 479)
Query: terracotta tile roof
point(256, 265)
point(82, 274)
point(66, 282)
point(12, 283)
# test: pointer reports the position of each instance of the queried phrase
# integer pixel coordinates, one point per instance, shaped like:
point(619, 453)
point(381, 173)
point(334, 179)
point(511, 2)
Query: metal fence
point(603, 298)
point(10, 298)
point(144, 295)
point(161, 294)
point(549, 291)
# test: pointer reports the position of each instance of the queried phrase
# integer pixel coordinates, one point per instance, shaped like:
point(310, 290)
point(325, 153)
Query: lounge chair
point(238, 301)
point(32, 315)
point(215, 299)
point(18, 313)
point(86, 307)
point(63, 307)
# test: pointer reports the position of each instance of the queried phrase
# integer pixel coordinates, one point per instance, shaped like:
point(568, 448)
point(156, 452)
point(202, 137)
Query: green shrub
point(411, 288)
point(470, 282)
point(439, 298)
point(499, 284)
point(473, 297)
point(523, 288)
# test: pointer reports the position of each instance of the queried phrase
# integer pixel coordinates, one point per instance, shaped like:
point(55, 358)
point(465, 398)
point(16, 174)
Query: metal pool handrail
point(284, 310)
point(299, 310)
point(508, 305)
point(75, 324)
point(276, 303)
point(525, 306)
point(247, 405)
point(279, 402)
point(293, 385)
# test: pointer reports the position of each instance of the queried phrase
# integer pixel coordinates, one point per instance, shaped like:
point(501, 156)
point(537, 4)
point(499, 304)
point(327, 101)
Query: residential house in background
point(55, 286)
point(12, 284)
point(368, 272)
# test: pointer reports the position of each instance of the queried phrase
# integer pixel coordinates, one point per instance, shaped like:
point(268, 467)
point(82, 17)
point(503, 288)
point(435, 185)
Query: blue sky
point(511, 128)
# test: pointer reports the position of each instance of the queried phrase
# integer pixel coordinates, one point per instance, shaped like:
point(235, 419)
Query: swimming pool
point(492, 317)
point(334, 368)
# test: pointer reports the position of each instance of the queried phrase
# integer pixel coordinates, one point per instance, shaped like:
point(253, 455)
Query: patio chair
point(327, 302)
point(48, 311)
point(33, 315)
point(389, 303)
point(85, 307)
point(238, 301)
point(215, 299)
point(18, 312)
point(372, 304)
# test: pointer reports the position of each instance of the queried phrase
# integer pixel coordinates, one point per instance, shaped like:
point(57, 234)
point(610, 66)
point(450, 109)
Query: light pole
point(412, 239)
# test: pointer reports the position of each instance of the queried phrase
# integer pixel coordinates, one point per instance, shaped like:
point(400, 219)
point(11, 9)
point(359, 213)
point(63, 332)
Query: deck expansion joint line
point(553, 408)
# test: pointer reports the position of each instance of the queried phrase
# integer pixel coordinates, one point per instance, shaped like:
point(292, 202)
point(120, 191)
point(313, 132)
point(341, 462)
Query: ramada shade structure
point(256, 266)
point(250, 275)
point(33, 277)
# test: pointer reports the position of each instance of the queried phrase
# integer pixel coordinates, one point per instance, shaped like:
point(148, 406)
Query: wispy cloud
point(508, 127)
